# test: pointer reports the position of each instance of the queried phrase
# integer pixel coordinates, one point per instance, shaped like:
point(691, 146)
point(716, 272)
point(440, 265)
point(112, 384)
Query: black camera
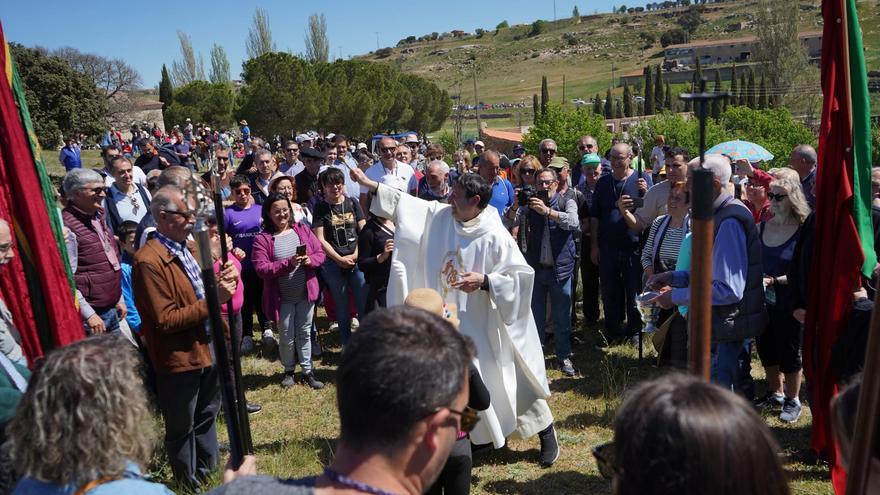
point(525, 194)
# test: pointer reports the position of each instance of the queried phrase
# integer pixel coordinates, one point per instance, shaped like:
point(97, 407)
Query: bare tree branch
point(219, 65)
point(317, 44)
point(259, 40)
point(190, 68)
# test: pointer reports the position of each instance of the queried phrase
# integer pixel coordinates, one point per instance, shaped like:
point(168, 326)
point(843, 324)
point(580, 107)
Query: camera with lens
point(525, 194)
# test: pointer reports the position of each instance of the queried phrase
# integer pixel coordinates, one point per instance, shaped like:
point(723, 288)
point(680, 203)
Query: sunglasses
point(776, 197)
point(292, 149)
point(549, 151)
point(469, 418)
point(185, 214)
point(605, 455)
point(99, 190)
point(389, 149)
point(242, 190)
point(527, 171)
point(585, 147)
point(546, 182)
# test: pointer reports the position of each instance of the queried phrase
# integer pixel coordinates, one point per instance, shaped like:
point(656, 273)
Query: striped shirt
point(181, 252)
point(292, 285)
point(669, 244)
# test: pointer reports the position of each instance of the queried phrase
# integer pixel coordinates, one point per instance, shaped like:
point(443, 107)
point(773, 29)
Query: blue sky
point(144, 34)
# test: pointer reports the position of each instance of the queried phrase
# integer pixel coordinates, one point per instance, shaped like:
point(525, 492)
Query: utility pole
point(377, 40)
point(554, 10)
point(477, 101)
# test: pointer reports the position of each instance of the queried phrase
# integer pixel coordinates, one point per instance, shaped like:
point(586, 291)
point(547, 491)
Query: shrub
point(672, 37)
point(566, 126)
point(480, 32)
point(502, 25)
point(538, 27)
point(384, 52)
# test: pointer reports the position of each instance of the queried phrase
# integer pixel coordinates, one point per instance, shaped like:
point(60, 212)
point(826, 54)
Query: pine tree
point(575, 12)
point(734, 95)
point(609, 105)
point(658, 90)
point(627, 101)
point(762, 95)
point(667, 100)
point(597, 105)
point(534, 108)
point(751, 91)
point(715, 110)
point(649, 92)
point(545, 95)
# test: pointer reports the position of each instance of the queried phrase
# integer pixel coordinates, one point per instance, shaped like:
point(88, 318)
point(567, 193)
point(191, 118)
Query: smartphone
point(638, 202)
point(300, 250)
point(544, 196)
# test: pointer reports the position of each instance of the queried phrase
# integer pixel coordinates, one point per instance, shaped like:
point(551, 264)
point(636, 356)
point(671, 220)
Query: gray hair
point(806, 153)
point(545, 141)
point(439, 164)
point(175, 175)
point(718, 164)
point(487, 154)
point(548, 170)
point(164, 199)
point(262, 151)
point(79, 178)
point(84, 415)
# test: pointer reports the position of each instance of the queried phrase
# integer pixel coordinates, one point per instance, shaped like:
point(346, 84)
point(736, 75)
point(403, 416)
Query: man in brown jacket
point(170, 295)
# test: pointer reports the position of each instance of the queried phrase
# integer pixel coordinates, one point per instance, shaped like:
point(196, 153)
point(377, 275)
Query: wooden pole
point(867, 429)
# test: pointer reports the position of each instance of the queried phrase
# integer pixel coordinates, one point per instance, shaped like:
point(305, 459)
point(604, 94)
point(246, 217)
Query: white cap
point(331, 136)
point(303, 137)
point(479, 143)
point(362, 146)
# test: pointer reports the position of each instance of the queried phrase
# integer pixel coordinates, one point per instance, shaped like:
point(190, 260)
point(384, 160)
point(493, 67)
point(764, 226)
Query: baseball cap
point(591, 159)
point(479, 143)
point(311, 153)
point(362, 146)
point(558, 162)
point(303, 137)
point(412, 138)
point(518, 147)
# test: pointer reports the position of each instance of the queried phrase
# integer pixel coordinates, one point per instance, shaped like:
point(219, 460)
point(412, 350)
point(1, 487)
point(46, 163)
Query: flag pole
point(865, 434)
point(702, 244)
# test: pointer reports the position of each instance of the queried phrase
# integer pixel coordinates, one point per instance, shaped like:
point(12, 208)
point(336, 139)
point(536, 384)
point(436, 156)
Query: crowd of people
point(359, 229)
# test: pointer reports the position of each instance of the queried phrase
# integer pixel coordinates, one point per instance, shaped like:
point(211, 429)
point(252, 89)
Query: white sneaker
point(355, 324)
point(333, 327)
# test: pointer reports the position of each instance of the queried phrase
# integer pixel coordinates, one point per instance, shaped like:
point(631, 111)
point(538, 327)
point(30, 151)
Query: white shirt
point(126, 206)
point(137, 176)
point(402, 178)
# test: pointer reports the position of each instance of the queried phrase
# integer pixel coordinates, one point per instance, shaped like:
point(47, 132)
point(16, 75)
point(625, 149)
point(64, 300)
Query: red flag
point(35, 285)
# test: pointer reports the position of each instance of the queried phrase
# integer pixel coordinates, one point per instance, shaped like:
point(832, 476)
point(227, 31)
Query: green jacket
point(9, 395)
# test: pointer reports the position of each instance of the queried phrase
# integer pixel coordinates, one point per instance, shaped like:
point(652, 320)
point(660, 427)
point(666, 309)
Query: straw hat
point(430, 301)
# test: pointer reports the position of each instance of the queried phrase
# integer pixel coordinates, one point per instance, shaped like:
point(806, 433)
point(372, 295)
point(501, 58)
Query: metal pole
point(477, 102)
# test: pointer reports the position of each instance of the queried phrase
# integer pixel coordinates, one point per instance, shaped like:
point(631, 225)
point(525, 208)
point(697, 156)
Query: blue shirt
point(70, 158)
point(502, 195)
point(132, 483)
point(808, 185)
point(730, 263)
point(132, 316)
point(613, 232)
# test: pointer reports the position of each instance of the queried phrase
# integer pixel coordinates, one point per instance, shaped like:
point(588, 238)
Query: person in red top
point(756, 190)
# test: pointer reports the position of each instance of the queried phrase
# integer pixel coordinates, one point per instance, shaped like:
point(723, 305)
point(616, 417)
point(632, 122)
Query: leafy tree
point(690, 20)
point(502, 25)
point(715, 109)
point(679, 132)
point(538, 27)
point(534, 108)
point(259, 40)
point(317, 44)
point(672, 37)
point(609, 105)
point(687, 103)
point(774, 129)
point(575, 13)
point(779, 51)
point(480, 32)
point(189, 68)
point(219, 65)
point(627, 101)
point(211, 103)
point(658, 89)
point(545, 94)
point(384, 52)
point(649, 92)
point(61, 100)
point(648, 38)
point(566, 126)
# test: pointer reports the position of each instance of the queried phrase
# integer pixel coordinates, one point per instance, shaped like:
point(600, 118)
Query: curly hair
point(84, 415)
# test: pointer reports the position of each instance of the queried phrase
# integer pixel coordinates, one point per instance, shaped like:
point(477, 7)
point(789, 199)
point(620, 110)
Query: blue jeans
point(729, 367)
point(560, 308)
point(340, 282)
point(110, 317)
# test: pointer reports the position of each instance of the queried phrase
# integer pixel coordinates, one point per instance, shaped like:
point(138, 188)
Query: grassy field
point(295, 433)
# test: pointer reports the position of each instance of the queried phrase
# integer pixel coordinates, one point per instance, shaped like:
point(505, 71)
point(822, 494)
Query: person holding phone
point(550, 250)
point(337, 221)
point(286, 255)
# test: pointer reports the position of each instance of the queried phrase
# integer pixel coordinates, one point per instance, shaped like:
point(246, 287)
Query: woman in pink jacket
point(285, 255)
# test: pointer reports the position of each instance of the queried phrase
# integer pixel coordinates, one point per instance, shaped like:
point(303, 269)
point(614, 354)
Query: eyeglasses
point(469, 418)
point(776, 197)
point(99, 190)
point(549, 151)
point(546, 182)
point(585, 147)
point(185, 214)
point(388, 149)
point(292, 149)
point(527, 171)
point(242, 190)
point(605, 455)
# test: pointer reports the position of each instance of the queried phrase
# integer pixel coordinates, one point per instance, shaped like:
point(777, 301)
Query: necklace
point(357, 485)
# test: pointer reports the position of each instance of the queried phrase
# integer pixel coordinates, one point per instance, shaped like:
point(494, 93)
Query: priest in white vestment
point(463, 251)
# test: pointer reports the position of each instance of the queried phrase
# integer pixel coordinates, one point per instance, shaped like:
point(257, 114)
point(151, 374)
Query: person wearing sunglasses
point(94, 255)
point(390, 171)
point(547, 149)
point(126, 200)
point(586, 145)
point(590, 171)
point(779, 346)
point(291, 164)
point(398, 424)
point(678, 434)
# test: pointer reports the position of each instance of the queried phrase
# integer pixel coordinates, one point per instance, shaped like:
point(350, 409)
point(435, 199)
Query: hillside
point(510, 62)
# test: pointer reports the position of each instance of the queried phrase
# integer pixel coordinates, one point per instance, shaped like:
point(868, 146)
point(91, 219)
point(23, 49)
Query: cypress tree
point(649, 92)
point(762, 95)
point(640, 108)
point(597, 105)
point(715, 110)
point(667, 101)
point(698, 76)
point(627, 101)
point(751, 91)
point(618, 109)
point(534, 108)
point(658, 90)
point(687, 103)
point(545, 95)
point(743, 99)
point(609, 105)
point(734, 95)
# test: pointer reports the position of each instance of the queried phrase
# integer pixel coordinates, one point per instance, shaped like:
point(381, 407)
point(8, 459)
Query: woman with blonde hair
point(779, 347)
point(461, 161)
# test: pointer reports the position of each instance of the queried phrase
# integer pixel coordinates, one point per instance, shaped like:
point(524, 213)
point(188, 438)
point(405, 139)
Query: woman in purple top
point(285, 255)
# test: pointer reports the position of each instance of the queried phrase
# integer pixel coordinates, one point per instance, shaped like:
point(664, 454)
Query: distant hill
point(510, 61)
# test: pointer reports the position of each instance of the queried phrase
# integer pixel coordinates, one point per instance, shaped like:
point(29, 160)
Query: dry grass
point(295, 434)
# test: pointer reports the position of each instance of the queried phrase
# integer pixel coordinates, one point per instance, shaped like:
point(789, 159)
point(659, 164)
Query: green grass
point(295, 434)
